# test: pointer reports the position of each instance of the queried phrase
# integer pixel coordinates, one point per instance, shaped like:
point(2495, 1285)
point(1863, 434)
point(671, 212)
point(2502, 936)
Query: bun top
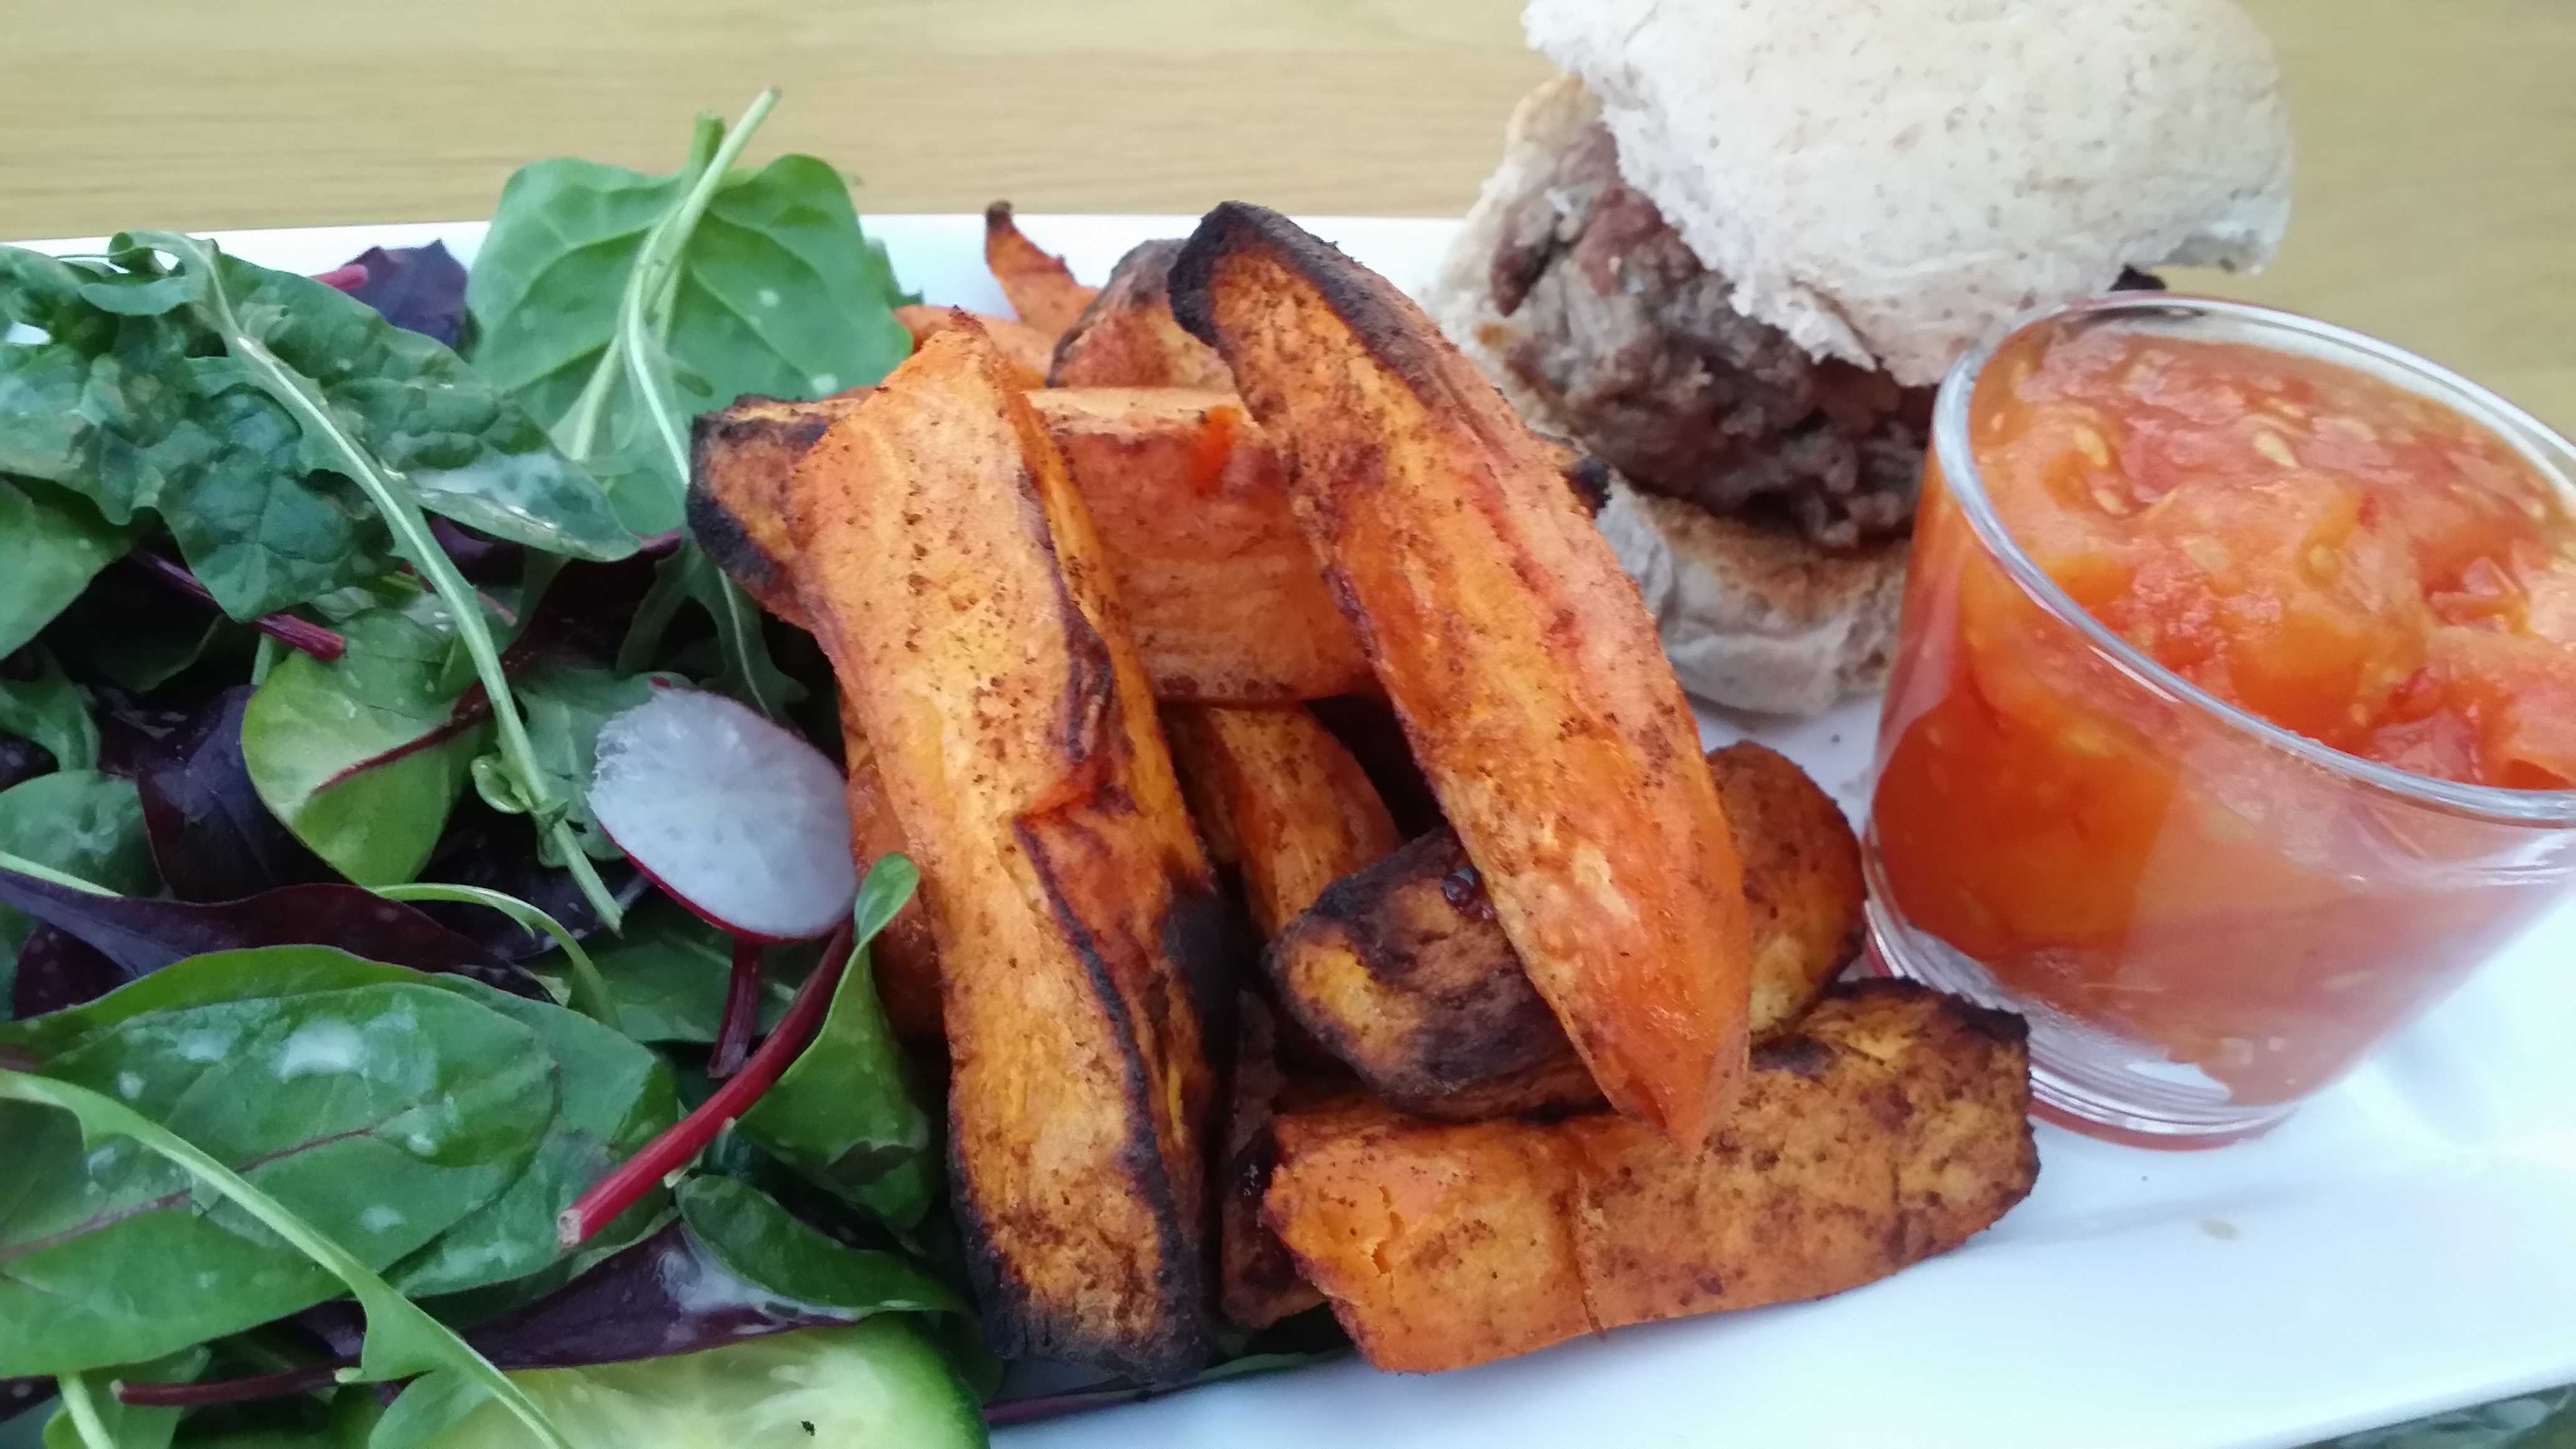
point(1884, 180)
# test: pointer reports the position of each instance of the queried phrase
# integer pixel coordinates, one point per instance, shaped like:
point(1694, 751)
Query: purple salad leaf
point(419, 289)
point(140, 936)
point(211, 836)
point(56, 970)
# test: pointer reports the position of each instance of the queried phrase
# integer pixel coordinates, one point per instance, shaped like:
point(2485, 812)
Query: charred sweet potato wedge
point(1041, 287)
point(1520, 658)
point(905, 954)
point(742, 466)
point(1279, 798)
point(1403, 972)
point(1891, 1127)
point(1226, 598)
point(957, 585)
point(1027, 349)
point(1127, 336)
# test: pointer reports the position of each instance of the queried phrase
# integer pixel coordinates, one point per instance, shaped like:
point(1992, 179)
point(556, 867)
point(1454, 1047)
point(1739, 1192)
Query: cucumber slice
point(873, 1383)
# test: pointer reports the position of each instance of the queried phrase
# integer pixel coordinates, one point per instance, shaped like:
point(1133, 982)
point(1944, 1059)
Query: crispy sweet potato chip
point(1228, 603)
point(1127, 337)
point(955, 581)
point(1402, 971)
point(1041, 287)
point(1524, 666)
point(1889, 1129)
point(1289, 805)
point(1027, 349)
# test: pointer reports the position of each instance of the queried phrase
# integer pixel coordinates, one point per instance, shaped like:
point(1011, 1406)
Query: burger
point(1732, 248)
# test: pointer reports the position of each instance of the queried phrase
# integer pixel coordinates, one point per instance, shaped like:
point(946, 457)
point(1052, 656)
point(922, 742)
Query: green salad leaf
point(845, 1117)
point(363, 758)
point(402, 1340)
point(769, 1247)
point(615, 1096)
point(771, 287)
point(666, 974)
point(616, 306)
point(379, 1115)
point(565, 705)
point(57, 543)
point(82, 823)
point(52, 711)
point(609, 1096)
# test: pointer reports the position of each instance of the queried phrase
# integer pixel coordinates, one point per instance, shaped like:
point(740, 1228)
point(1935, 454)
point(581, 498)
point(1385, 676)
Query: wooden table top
point(2436, 200)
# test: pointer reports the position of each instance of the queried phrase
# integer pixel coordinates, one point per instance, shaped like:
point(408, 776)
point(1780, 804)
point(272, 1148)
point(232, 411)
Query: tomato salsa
point(2323, 548)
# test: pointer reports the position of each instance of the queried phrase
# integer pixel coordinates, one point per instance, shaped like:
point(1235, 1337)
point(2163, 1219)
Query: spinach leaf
point(380, 1115)
point(613, 1095)
point(616, 306)
point(57, 544)
point(666, 974)
point(362, 759)
point(616, 1096)
point(132, 638)
point(401, 1339)
point(80, 822)
point(844, 1116)
point(52, 711)
point(91, 1415)
point(419, 289)
point(212, 837)
point(771, 288)
point(763, 1244)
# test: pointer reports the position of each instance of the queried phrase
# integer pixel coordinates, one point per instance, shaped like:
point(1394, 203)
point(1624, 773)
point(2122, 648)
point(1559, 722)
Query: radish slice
point(734, 817)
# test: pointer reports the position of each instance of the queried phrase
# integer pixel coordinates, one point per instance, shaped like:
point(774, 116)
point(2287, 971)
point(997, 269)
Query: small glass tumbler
point(2205, 917)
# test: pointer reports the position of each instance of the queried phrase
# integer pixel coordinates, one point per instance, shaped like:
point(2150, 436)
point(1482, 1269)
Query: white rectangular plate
point(2405, 1244)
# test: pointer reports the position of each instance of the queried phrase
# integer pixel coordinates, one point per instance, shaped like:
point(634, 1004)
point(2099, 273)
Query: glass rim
point(1953, 450)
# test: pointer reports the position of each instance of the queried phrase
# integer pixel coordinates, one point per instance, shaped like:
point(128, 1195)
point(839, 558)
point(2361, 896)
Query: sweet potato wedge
point(1041, 287)
point(1128, 338)
point(1027, 349)
point(742, 466)
point(1226, 599)
point(1891, 1127)
point(1402, 971)
point(963, 598)
point(1222, 594)
point(905, 954)
point(1278, 797)
point(1524, 666)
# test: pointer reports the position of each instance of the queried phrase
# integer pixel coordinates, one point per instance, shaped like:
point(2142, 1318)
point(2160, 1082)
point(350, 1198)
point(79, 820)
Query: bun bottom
point(1758, 618)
